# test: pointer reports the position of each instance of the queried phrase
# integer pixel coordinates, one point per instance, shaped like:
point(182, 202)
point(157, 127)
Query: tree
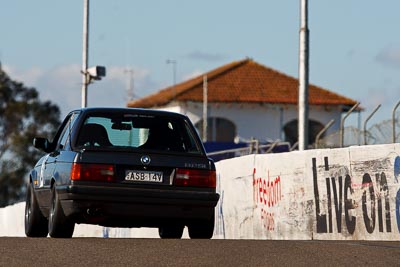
point(22, 117)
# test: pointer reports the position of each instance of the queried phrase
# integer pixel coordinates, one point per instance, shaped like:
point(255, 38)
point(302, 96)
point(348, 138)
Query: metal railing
point(253, 148)
point(329, 124)
point(342, 123)
point(365, 123)
point(394, 122)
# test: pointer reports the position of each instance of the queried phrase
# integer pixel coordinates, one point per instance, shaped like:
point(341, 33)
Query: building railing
point(254, 147)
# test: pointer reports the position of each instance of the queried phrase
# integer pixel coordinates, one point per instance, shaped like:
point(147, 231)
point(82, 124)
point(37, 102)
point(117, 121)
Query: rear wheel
point(171, 231)
point(203, 229)
point(59, 225)
point(35, 222)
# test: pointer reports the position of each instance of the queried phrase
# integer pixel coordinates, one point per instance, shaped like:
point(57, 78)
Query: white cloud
point(385, 96)
point(390, 56)
point(62, 85)
point(28, 77)
point(208, 57)
point(142, 82)
point(193, 74)
point(122, 73)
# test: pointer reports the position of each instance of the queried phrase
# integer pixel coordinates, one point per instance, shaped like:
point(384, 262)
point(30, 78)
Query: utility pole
point(205, 105)
point(303, 76)
point(173, 62)
point(85, 50)
point(130, 89)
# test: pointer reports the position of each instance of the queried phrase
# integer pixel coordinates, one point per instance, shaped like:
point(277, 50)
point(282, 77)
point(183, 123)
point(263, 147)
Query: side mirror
point(41, 143)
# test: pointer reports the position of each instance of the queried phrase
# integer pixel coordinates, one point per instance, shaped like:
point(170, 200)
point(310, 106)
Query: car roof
point(129, 110)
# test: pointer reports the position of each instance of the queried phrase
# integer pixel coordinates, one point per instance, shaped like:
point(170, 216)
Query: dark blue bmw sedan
point(121, 167)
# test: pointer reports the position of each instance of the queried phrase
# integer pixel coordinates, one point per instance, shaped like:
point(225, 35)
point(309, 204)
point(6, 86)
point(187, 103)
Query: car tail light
point(92, 172)
point(196, 178)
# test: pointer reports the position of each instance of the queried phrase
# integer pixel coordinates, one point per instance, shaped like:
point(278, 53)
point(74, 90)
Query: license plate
point(144, 176)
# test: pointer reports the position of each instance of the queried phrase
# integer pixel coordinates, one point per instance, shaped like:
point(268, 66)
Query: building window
point(291, 131)
point(218, 130)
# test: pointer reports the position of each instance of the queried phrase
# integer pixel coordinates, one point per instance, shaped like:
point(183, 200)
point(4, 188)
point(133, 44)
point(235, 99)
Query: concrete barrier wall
point(328, 194)
point(12, 220)
point(341, 194)
point(12, 224)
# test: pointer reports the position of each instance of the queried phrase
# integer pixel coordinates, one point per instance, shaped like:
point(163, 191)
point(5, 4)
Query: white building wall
point(261, 121)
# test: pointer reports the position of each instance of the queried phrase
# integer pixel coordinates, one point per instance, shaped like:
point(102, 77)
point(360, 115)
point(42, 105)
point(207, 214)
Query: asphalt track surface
point(19, 251)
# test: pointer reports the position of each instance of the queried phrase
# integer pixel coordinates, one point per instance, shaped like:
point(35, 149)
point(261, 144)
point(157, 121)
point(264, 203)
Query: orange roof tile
point(239, 82)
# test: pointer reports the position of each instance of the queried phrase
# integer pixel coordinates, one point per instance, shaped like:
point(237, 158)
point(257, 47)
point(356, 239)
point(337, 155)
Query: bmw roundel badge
point(145, 160)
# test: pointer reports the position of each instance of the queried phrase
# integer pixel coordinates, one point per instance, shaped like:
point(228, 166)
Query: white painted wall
point(309, 201)
point(12, 224)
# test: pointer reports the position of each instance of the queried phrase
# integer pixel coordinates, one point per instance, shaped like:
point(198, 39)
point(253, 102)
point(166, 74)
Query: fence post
point(341, 141)
point(294, 146)
point(394, 121)
point(329, 124)
point(365, 123)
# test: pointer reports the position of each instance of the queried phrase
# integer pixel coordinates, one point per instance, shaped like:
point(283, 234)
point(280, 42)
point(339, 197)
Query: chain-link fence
point(380, 133)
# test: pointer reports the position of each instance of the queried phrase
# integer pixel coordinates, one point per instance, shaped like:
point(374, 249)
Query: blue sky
point(354, 45)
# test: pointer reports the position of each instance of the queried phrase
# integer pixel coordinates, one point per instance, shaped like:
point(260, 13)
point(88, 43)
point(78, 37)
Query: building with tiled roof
point(246, 99)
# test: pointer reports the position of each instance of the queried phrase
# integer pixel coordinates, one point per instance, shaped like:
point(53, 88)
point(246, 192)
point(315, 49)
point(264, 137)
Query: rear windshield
point(160, 133)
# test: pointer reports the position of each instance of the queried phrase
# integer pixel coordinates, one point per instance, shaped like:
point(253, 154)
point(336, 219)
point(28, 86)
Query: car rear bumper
point(135, 207)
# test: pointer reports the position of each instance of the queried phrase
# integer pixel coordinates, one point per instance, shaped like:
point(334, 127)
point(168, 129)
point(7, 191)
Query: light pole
point(85, 49)
point(131, 94)
point(205, 107)
point(303, 76)
point(173, 62)
point(93, 73)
